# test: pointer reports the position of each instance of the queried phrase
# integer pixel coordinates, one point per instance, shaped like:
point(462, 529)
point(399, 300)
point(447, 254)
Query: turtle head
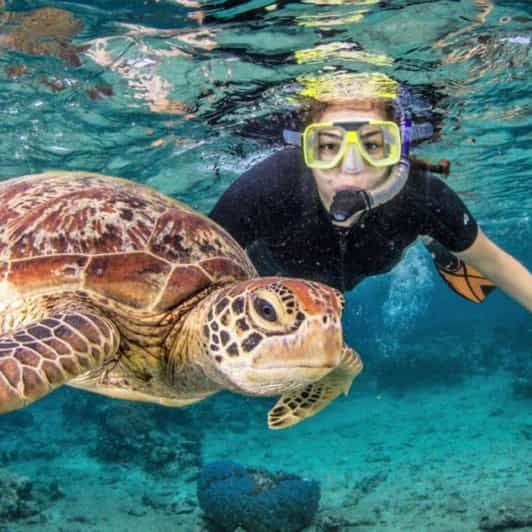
point(269, 335)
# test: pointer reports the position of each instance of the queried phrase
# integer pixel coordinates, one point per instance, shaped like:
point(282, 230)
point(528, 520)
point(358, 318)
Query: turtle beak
point(304, 358)
point(314, 352)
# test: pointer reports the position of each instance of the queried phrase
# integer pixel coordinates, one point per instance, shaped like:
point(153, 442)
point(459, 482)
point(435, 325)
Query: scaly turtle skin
point(109, 286)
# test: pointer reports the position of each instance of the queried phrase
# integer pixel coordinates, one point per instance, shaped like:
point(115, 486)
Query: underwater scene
point(184, 96)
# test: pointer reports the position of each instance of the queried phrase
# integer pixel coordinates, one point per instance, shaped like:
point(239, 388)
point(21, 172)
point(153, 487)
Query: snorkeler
point(348, 200)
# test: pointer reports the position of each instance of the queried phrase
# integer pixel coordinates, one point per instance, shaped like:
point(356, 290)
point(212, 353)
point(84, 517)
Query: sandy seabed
point(442, 459)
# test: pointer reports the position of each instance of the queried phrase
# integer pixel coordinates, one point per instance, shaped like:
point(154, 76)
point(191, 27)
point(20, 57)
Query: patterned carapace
point(117, 239)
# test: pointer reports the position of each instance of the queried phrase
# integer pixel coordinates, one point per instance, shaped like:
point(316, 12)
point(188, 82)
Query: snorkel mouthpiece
point(348, 202)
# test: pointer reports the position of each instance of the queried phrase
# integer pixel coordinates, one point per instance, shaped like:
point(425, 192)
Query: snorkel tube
point(348, 202)
point(351, 201)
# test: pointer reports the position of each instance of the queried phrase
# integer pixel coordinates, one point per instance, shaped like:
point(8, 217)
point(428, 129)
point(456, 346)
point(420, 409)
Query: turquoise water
point(437, 432)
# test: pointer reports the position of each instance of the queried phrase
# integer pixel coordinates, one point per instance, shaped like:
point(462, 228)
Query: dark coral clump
point(16, 500)
point(233, 496)
point(522, 382)
point(151, 437)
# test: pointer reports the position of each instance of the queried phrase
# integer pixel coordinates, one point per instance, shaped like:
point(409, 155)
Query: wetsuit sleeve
point(447, 219)
point(248, 208)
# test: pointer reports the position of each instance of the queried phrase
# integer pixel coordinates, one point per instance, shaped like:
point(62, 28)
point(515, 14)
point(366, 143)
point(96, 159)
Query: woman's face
point(352, 171)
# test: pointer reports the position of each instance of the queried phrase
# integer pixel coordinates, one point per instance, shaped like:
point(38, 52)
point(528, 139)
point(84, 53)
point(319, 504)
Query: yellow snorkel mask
point(325, 144)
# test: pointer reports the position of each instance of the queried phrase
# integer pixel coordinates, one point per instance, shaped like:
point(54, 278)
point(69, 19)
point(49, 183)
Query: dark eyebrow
point(370, 134)
point(330, 134)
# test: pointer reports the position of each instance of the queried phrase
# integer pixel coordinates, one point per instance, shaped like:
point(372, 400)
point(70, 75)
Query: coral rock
point(233, 496)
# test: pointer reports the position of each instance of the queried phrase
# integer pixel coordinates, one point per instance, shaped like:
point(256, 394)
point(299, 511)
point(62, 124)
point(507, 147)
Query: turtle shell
point(78, 231)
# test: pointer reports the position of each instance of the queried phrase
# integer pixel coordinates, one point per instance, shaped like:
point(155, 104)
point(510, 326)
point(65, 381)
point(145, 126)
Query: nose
point(352, 163)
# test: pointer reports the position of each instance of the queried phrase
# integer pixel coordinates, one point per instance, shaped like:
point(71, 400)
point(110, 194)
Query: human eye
point(373, 141)
point(328, 145)
point(372, 146)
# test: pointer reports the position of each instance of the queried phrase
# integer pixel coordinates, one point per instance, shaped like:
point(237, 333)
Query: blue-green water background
point(201, 93)
point(468, 61)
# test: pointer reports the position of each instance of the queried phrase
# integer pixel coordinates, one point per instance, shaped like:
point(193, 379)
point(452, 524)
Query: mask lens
point(323, 145)
point(380, 143)
point(329, 143)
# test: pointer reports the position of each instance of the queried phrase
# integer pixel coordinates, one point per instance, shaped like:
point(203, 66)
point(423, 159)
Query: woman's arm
point(448, 221)
point(500, 267)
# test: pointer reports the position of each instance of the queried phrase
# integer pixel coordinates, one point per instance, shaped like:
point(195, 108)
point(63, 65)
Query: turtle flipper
point(44, 355)
point(297, 405)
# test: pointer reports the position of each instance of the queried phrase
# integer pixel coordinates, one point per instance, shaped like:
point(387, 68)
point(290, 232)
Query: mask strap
point(422, 131)
point(292, 137)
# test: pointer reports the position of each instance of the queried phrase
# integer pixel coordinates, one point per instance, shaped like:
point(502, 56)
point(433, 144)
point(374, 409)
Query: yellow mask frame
point(325, 155)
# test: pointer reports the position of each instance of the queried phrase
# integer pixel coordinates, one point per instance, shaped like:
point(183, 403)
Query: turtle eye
point(264, 309)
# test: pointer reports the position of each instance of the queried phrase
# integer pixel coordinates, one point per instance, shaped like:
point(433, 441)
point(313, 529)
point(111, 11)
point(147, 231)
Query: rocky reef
point(16, 499)
point(514, 514)
point(522, 382)
point(155, 439)
point(233, 496)
point(23, 499)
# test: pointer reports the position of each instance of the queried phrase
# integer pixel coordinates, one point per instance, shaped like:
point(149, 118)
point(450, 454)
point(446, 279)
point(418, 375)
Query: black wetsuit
point(274, 211)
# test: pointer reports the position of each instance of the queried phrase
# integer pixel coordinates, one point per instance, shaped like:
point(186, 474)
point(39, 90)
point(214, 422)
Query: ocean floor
point(451, 459)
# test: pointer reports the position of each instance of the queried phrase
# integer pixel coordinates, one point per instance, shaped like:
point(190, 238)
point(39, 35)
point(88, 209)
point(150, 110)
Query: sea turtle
point(110, 286)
